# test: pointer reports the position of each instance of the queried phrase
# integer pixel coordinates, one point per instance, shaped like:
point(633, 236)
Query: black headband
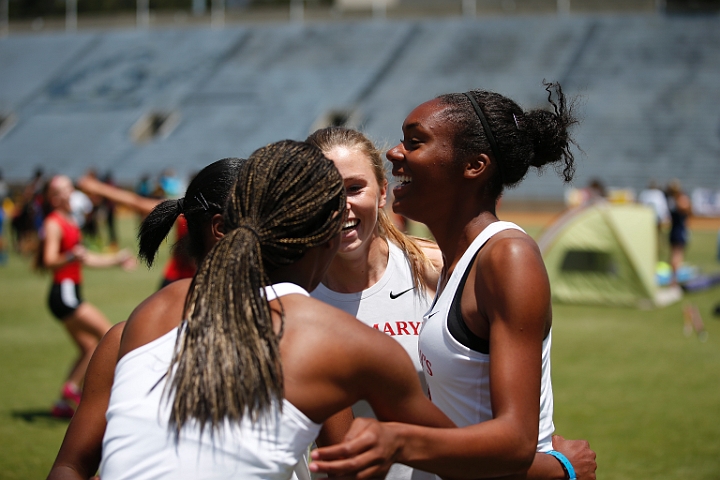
point(488, 133)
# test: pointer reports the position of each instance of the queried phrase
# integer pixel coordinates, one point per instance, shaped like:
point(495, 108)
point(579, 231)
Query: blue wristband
point(566, 465)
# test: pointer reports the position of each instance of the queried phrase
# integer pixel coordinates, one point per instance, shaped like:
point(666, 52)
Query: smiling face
point(424, 164)
point(364, 197)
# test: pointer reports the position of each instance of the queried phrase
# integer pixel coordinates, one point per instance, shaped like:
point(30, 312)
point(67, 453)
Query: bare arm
point(506, 444)
point(53, 259)
point(373, 444)
point(93, 186)
point(335, 428)
point(121, 258)
point(79, 455)
point(547, 467)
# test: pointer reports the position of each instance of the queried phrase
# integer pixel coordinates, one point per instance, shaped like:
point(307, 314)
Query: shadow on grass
point(31, 416)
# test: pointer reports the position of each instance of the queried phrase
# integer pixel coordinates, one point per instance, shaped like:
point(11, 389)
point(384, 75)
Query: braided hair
point(523, 139)
point(205, 196)
point(331, 137)
point(288, 198)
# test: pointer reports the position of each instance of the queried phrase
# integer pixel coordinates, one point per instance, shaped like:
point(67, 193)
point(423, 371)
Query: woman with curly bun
point(485, 341)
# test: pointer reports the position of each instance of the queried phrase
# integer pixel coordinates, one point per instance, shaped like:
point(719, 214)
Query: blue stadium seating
point(649, 87)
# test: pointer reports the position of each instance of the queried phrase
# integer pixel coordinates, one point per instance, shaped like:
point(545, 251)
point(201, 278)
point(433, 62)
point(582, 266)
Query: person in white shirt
point(484, 345)
point(387, 279)
point(380, 275)
point(655, 198)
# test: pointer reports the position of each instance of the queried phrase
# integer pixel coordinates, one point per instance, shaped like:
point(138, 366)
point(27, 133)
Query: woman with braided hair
point(485, 342)
point(240, 387)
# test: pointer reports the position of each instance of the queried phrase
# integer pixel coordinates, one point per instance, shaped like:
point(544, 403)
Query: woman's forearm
point(545, 467)
point(66, 472)
point(465, 452)
point(101, 260)
point(59, 260)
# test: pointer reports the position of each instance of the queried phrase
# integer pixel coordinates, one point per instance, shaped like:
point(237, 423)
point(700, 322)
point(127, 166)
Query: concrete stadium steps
point(649, 87)
point(510, 56)
point(649, 82)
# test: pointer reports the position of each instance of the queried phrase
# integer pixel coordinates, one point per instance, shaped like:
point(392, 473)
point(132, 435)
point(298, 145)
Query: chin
point(349, 246)
point(346, 249)
point(398, 207)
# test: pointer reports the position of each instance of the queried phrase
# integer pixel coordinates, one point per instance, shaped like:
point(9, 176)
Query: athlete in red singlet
point(62, 252)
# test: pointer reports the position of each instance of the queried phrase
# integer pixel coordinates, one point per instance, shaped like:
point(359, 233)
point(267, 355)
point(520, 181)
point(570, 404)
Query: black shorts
point(64, 298)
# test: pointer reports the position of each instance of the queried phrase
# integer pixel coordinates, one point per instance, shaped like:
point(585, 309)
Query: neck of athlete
point(355, 271)
point(455, 232)
point(65, 212)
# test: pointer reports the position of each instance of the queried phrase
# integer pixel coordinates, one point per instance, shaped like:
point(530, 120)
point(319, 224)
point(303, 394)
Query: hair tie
point(250, 229)
point(488, 133)
point(181, 205)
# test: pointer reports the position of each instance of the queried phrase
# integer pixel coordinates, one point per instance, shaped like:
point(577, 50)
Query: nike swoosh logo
point(436, 311)
point(393, 296)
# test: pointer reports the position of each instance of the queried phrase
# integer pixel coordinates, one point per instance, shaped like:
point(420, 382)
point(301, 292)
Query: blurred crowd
point(26, 207)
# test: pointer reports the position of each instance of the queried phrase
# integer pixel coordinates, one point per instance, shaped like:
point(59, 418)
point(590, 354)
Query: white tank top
point(458, 377)
point(392, 306)
point(139, 445)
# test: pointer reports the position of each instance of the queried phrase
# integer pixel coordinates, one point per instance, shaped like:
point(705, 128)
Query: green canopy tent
point(605, 254)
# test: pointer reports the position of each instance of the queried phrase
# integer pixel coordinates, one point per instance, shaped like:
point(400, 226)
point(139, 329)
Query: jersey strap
point(281, 289)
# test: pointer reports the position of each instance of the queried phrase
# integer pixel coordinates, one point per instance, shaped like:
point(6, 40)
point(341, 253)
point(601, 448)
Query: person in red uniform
point(62, 252)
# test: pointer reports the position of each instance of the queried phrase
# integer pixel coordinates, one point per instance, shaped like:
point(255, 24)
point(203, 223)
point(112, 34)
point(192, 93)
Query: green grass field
point(646, 396)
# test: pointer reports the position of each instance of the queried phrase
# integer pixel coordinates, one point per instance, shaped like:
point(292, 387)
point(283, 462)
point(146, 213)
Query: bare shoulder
point(510, 262)
point(331, 360)
point(155, 316)
point(510, 247)
point(102, 364)
point(510, 271)
point(167, 298)
point(323, 328)
point(434, 255)
point(114, 335)
point(52, 226)
point(432, 252)
point(310, 313)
